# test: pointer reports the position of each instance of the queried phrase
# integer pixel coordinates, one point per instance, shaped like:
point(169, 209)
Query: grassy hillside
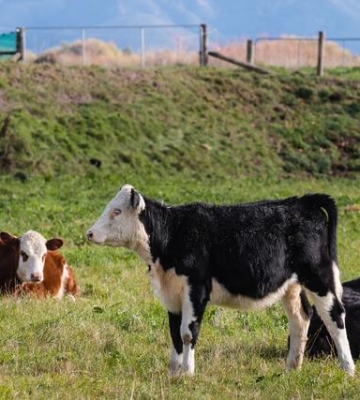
point(193, 121)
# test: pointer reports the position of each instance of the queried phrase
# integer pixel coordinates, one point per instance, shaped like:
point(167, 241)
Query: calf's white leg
point(187, 335)
point(176, 355)
point(299, 321)
point(332, 313)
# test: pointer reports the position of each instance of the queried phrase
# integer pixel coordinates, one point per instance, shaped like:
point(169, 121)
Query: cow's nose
point(90, 235)
point(35, 277)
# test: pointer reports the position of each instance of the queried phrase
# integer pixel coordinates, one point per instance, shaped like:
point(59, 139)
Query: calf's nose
point(35, 277)
point(89, 235)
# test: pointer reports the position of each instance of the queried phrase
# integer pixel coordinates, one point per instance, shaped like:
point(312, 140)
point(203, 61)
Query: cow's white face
point(32, 257)
point(32, 248)
point(119, 224)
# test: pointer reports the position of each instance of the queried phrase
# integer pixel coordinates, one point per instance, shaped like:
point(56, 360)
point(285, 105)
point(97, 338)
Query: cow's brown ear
point(54, 244)
point(8, 238)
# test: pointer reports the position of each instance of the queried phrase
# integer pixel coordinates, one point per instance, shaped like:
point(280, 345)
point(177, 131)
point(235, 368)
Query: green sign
point(8, 42)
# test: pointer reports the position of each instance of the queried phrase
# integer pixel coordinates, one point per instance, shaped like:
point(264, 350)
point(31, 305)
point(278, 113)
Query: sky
point(227, 20)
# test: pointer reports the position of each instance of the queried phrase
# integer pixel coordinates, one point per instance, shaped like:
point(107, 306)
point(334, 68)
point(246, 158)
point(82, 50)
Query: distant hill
point(181, 120)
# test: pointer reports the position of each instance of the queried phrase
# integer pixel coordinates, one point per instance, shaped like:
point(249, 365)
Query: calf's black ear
point(134, 199)
point(54, 244)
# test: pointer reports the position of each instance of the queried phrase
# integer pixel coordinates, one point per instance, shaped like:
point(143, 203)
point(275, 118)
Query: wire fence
point(349, 55)
point(178, 45)
point(291, 52)
point(114, 45)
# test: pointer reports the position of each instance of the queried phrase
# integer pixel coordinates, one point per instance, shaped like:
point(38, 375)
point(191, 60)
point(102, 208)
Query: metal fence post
point(142, 35)
point(203, 55)
point(320, 64)
point(83, 47)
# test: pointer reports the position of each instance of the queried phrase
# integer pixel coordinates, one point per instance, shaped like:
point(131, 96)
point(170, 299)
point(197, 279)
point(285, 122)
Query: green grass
point(178, 135)
point(182, 120)
point(113, 342)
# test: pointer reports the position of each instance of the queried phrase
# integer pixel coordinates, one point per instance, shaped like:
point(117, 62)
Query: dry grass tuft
point(92, 52)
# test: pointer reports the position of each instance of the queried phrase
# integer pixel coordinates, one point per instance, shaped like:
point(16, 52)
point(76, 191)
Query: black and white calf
point(244, 256)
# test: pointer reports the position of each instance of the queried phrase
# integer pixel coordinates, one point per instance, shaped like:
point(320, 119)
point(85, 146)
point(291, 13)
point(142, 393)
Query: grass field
point(178, 135)
point(113, 342)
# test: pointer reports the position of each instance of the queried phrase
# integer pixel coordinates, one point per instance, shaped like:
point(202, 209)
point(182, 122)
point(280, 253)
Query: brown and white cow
point(30, 264)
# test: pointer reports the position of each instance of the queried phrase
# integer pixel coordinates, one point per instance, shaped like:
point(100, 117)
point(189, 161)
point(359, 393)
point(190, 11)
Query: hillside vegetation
point(194, 121)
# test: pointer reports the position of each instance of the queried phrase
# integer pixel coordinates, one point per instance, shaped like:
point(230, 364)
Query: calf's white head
point(119, 224)
point(31, 248)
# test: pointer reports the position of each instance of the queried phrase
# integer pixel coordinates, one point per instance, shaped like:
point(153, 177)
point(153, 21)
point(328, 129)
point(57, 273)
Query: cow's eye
point(116, 212)
point(24, 256)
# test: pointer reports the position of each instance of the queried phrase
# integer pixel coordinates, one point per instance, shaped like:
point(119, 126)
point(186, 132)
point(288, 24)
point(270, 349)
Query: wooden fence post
point(203, 46)
point(320, 63)
point(249, 52)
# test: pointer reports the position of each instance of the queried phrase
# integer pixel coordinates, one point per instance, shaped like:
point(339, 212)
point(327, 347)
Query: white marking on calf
point(173, 292)
point(323, 305)
point(168, 287)
point(176, 361)
point(188, 365)
point(222, 297)
point(119, 225)
point(64, 278)
point(32, 257)
point(298, 324)
point(337, 282)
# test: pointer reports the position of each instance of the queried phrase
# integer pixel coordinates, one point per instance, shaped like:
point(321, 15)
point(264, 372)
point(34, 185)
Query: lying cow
point(30, 265)
point(319, 340)
point(244, 255)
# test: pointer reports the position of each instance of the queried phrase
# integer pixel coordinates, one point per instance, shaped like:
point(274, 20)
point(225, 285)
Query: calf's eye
point(24, 256)
point(116, 212)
